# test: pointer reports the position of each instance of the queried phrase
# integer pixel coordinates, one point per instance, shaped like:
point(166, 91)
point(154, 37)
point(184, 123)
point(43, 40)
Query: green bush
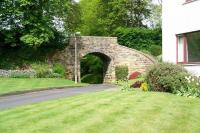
point(192, 89)
point(44, 74)
point(155, 50)
point(59, 69)
point(54, 75)
point(42, 70)
point(166, 77)
point(139, 38)
point(121, 72)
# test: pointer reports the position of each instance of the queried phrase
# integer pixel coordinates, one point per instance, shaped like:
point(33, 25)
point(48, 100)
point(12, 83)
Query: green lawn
point(8, 85)
point(106, 112)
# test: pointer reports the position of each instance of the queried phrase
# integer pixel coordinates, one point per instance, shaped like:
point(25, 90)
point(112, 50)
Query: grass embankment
point(106, 112)
point(11, 85)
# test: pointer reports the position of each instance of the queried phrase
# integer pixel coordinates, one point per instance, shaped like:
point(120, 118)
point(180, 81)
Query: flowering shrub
point(144, 86)
point(134, 75)
point(166, 77)
point(192, 89)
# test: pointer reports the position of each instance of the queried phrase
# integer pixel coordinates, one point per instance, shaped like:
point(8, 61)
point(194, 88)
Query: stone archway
point(108, 46)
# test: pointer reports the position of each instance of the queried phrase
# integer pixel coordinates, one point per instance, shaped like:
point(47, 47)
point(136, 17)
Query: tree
point(155, 19)
point(89, 23)
point(110, 14)
point(35, 22)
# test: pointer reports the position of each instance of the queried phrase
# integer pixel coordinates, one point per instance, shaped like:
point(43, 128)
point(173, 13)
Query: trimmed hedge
point(121, 72)
point(139, 38)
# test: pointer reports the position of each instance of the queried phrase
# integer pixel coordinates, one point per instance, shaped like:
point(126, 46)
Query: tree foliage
point(155, 19)
point(102, 17)
point(35, 22)
point(139, 38)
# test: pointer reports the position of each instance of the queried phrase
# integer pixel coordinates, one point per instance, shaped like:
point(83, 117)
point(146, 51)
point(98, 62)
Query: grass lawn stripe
point(52, 105)
point(11, 85)
point(52, 112)
point(68, 119)
point(108, 112)
point(108, 116)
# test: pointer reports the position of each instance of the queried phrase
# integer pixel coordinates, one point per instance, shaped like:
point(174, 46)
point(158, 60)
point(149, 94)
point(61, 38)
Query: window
point(188, 48)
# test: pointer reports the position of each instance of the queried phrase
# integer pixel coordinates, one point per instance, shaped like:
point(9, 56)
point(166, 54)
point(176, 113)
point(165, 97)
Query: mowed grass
point(8, 85)
point(106, 112)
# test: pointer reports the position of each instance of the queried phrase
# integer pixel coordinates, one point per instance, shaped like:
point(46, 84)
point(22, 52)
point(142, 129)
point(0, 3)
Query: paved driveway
point(40, 96)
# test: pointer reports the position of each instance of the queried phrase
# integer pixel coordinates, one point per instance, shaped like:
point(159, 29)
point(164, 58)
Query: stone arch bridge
point(109, 50)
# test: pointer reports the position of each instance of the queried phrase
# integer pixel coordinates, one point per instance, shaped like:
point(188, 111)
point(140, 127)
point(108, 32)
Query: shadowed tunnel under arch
point(94, 67)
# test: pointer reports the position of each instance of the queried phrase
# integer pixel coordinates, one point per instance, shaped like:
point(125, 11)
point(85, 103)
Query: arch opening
point(94, 67)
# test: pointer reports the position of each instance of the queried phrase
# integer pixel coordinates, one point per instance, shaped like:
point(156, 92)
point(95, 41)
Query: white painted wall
point(179, 18)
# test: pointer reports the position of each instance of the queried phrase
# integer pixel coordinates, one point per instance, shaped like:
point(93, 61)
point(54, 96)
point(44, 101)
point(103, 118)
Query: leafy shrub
point(42, 73)
point(139, 38)
point(59, 69)
point(121, 72)
point(137, 84)
point(192, 89)
point(134, 75)
point(42, 70)
point(188, 92)
point(54, 75)
point(166, 77)
point(155, 50)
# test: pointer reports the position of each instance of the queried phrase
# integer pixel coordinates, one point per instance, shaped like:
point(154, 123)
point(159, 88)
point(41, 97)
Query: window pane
point(180, 49)
point(193, 44)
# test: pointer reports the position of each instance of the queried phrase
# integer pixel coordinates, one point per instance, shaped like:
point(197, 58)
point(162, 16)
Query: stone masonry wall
point(108, 46)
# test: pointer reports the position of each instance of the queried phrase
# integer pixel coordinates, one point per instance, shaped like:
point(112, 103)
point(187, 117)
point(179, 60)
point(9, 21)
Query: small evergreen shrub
point(121, 72)
point(155, 50)
point(166, 77)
